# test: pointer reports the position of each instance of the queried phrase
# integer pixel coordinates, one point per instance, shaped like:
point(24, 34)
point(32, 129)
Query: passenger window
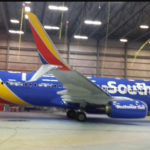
point(6, 83)
point(50, 85)
point(11, 83)
point(35, 84)
point(59, 85)
point(16, 84)
point(45, 85)
point(40, 85)
point(55, 85)
point(21, 84)
point(30, 84)
point(25, 84)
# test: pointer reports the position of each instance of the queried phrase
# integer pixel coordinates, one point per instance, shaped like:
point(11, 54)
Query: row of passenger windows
point(33, 84)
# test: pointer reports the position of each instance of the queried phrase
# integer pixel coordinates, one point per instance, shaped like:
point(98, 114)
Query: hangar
point(98, 39)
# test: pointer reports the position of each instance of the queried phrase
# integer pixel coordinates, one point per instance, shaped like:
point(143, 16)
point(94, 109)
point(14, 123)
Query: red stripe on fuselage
point(5, 102)
point(45, 52)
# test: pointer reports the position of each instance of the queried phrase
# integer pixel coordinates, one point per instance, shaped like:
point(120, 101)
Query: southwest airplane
point(57, 84)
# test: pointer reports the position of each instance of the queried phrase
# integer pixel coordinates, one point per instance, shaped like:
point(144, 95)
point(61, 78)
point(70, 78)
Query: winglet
point(47, 50)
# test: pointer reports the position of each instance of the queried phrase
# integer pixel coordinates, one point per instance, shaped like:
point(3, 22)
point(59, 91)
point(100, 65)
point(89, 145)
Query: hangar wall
point(86, 56)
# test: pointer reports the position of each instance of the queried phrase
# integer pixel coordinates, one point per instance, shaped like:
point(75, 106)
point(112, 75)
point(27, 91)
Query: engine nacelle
point(126, 109)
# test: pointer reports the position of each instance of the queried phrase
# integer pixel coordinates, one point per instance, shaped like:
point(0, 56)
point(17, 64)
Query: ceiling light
point(92, 22)
point(16, 32)
point(28, 2)
point(80, 37)
point(14, 21)
point(27, 9)
point(63, 8)
point(26, 16)
point(144, 26)
point(123, 40)
point(51, 27)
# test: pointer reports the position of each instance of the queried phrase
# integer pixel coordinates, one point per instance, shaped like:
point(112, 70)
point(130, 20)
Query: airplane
point(57, 84)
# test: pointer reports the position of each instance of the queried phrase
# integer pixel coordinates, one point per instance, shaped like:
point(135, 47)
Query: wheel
point(81, 116)
point(71, 114)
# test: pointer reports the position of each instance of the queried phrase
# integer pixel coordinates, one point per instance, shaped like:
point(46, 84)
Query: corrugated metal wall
point(81, 54)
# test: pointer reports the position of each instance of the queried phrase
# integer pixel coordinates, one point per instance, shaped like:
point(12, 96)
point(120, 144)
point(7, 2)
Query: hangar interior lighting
point(92, 22)
point(62, 8)
point(80, 37)
point(26, 16)
point(14, 21)
point(16, 32)
point(123, 40)
point(144, 26)
point(28, 2)
point(27, 9)
point(51, 27)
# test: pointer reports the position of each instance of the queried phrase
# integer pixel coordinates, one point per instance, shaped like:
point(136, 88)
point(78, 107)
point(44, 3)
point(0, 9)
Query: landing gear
point(71, 114)
point(81, 116)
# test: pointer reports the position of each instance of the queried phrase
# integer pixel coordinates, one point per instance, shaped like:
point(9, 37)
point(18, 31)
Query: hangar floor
point(43, 131)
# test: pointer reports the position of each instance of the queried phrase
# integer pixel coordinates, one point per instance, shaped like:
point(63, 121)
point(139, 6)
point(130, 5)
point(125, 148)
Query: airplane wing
point(79, 89)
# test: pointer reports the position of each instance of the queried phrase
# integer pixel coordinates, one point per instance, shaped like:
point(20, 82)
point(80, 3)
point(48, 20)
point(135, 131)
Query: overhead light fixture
point(51, 27)
point(26, 16)
point(62, 8)
point(80, 37)
point(144, 26)
point(123, 40)
point(14, 21)
point(28, 2)
point(16, 32)
point(92, 22)
point(27, 9)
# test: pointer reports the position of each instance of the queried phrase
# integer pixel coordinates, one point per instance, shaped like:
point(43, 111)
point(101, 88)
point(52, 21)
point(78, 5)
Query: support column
point(97, 60)
point(7, 57)
point(125, 61)
point(68, 47)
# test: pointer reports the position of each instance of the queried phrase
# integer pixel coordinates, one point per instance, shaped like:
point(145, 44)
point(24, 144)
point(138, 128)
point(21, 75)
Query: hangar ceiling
point(125, 18)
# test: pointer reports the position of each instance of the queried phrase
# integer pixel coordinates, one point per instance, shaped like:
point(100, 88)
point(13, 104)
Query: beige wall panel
point(111, 72)
point(80, 48)
point(82, 63)
point(3, 42)
point(24, 59)
point(3, 58)
point(138, 66)
point(3, 65)
point(3, 51)
point(112, 43)
point(66, 60)
point(112, 59)
point(17, 66)
point(117, 51)
point(137, 45)
point(89, 41)
point(142, 52)
point(56, 39)
point(112, 65)
point(24, 44)
point(139, 60)
point(28, 53)
point(76, 56)
point(3, 34)
point(86, 70)
point(64, 55)
point(61, 47)
point(138, 73)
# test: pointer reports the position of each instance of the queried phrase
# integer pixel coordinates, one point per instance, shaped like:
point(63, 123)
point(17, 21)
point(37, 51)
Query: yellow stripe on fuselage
point(8, 95)
point(42, 34)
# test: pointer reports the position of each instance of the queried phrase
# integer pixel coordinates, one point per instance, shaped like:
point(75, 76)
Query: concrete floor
point(43, 131)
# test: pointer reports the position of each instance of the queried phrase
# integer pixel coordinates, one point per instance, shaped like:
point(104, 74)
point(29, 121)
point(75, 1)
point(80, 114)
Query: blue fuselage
point(43, 92)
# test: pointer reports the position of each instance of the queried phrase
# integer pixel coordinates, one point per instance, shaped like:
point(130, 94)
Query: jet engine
point(126, 109)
